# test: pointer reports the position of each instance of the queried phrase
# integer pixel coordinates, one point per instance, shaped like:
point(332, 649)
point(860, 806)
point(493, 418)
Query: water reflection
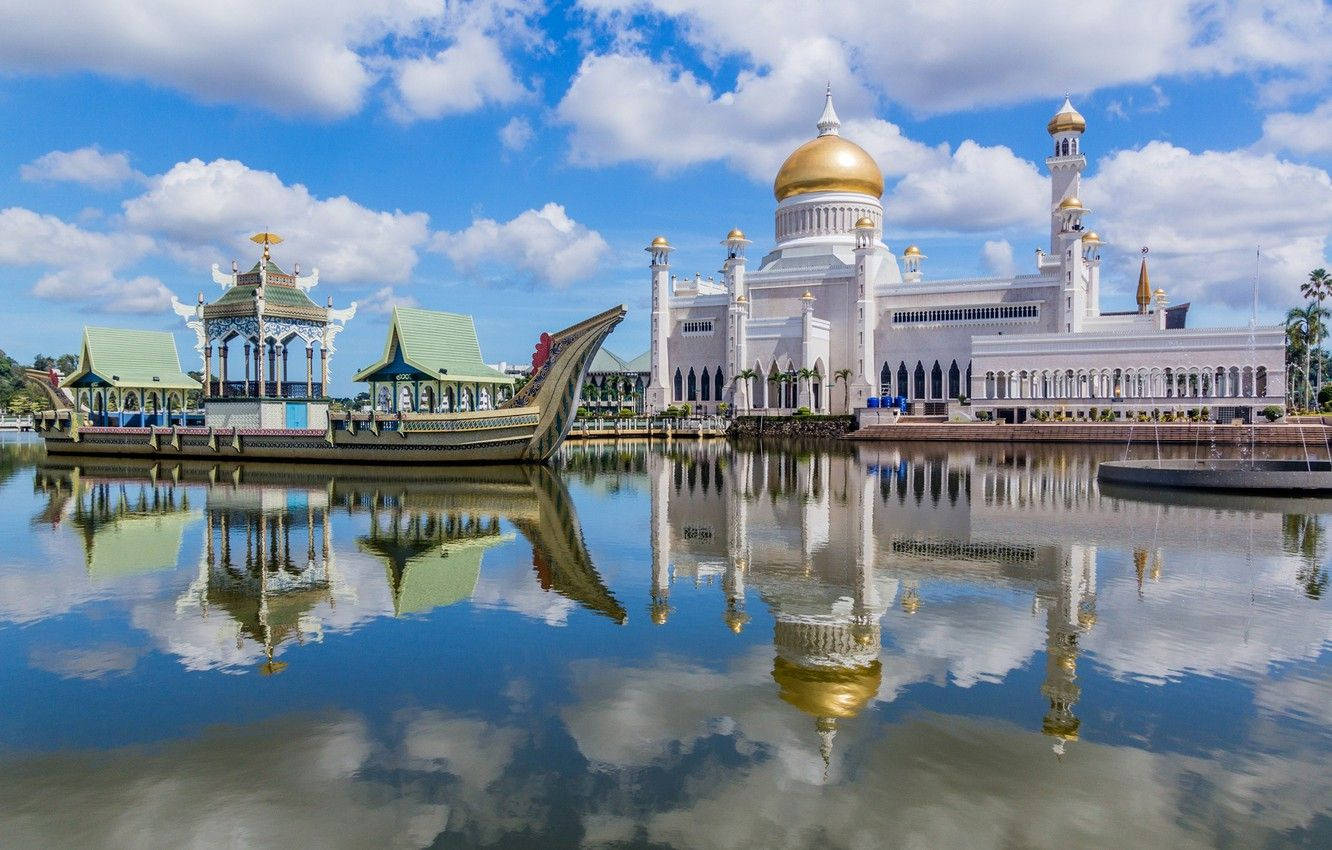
point(766, 645)
point(268, 571)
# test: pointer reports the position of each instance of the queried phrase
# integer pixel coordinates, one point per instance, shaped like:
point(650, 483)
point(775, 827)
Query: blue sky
point(511, 160)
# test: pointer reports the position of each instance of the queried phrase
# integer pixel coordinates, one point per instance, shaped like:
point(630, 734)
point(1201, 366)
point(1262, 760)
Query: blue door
point(296, 416)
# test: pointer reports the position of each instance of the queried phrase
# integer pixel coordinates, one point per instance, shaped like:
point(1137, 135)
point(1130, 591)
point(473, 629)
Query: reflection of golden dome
point(1067, 119)
point(911, 603)
point(828, 163)
point(735, 619)
point(865, 222)
point(660, 613)
point(807, 296)
point(1062, 725)
point(827, 691)
point(735, 234)
point(1086, 619)
point(741, 299)
point(1070, 203)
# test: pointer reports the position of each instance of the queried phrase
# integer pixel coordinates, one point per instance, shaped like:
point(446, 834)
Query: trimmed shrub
point(581, 413)
point(1273, 412)
point(802, 411)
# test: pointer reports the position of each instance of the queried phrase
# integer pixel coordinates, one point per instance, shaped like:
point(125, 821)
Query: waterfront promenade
point(1312, 434)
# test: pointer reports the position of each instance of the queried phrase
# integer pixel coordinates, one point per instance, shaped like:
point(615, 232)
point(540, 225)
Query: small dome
point(741, 299)
point(865, 222)
point(1070, 203)
point(660, 242)
point(807, 296)
point(735, 233)
point(1091, 237)
point(1067, 119)
point(912, 251)
point(1160, 293)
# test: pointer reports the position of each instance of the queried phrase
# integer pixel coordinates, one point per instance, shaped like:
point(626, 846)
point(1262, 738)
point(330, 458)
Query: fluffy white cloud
point(545, 243)
point(625, 107)
point(997, 254)
point(953, 54)
point(517, 134)
point(382, 301)
point(83, 264)
point(1204, 214)
point(196, 205)
point(88, 166)
point(319, 57)
point(1300, 132)
point(460, 78)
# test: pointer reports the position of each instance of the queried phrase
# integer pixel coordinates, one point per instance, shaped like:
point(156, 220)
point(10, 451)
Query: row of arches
point(821, 219)
point(1064, 148)
point(437, 398)
point(919, 383)
point(132, 407)
point(266, 366)
point(709, 385)
point(1203, 382)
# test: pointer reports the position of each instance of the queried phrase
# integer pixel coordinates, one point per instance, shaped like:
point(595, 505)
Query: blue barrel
point(902, 403)
point(873, 402)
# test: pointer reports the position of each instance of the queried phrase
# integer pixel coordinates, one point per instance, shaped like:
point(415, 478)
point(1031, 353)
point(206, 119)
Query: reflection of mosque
point(268, 571)
point(831, 543)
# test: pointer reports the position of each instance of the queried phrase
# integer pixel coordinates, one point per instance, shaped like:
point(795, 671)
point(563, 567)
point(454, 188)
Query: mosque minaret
point(832, 303)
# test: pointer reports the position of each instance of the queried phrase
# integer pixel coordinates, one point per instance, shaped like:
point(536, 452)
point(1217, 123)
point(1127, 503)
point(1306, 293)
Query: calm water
point(694, 646)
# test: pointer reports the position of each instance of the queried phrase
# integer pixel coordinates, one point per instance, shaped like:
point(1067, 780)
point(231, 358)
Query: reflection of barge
point(527, 428)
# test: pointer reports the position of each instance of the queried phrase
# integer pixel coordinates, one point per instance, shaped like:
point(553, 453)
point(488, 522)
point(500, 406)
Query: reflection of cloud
point(290, 783)
point(511, 585)
point(89, 662)
point(968, 639)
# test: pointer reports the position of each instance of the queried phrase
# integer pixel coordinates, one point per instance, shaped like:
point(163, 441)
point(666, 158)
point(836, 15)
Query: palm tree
point(746, 375)
point(808, 376)
point(844, 375)
point(1305, 326)
point(1317, 288)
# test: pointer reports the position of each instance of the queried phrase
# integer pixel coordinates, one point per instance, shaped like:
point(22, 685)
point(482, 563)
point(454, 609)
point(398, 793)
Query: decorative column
point(323, 370)
point(658, 392)
point(259, 356)
point(208, 370)
point(274, 357)
point(222, 368)
point(309, 371)
point(248, 363)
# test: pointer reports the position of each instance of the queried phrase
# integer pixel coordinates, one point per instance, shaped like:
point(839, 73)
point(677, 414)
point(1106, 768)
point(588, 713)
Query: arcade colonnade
point(1155, 383)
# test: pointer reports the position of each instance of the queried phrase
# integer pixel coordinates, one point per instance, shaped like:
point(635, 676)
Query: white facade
point(830, 304)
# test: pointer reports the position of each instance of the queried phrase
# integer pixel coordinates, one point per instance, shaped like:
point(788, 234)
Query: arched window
point(679, 386)
point(1262, 381)
point(936, 381)
point(405, 400)
point(1065, 147)
point(902, 388)
point(885, 380)
point(967, 390)
point(707, 385)
point(719, 384)
point(427, 399)
point(954, 381)
point(693, 386)
point(920, 381)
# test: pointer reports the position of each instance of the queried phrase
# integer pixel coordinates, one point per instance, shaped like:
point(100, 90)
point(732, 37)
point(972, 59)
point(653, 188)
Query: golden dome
point(660, 242)
point(864, 222)
point(807, 296)
point(740, 299)
point(828, 163)
point(735, 233)
point(1091, 236)
point(1070, 203)
point(1067, 119)
point(1086, 619)
point(912, 251)
point(827, 691)
point(1160, 293)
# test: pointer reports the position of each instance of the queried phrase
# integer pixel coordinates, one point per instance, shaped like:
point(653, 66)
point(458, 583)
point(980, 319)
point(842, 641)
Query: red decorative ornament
point(542, 353)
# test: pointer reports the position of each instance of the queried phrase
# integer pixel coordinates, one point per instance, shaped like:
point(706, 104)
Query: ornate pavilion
point(130, 378)
point(432, 364)
point(266, 313)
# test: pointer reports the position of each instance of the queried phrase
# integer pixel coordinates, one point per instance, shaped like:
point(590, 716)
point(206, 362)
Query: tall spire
point(829, 124)
point(1144, 286)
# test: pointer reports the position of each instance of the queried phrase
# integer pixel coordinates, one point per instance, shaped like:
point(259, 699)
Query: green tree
point(844, 375)
point(1305, 328)
point(747, 376)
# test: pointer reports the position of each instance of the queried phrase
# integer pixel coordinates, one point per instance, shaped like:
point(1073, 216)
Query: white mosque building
point(831, 303)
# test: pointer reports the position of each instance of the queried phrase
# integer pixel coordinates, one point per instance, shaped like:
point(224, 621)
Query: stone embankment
point(799, 427)
point(1311, 435)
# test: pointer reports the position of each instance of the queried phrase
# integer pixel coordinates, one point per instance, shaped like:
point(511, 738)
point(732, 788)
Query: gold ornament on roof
point(1091, 236)
point(828, 164)
point(266, 239)
point(912, 251)
point(808, 296)
point(1070, 203)
point(660, 242)
point(865, 223)
point(735, 233)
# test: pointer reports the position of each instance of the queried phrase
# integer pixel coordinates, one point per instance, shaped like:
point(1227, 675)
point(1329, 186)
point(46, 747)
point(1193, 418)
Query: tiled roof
point(128, 358)
point(274, 294)
point(605, 361)
point(432, 341)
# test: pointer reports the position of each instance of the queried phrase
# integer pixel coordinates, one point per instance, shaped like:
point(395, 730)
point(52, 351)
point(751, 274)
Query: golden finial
point(266, 239)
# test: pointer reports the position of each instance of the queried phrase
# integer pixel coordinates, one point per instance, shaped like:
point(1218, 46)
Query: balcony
point(249, 389)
